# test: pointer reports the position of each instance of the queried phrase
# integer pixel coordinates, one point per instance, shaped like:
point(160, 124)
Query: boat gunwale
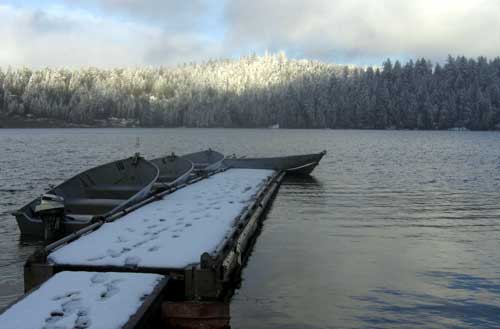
point(180, 178)
point(286, 157)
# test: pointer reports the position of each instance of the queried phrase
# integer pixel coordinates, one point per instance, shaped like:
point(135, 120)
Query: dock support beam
point(199, 315)
point(202, 283)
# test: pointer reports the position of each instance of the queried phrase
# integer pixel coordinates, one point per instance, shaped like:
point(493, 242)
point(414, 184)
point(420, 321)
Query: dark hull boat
point(88, 196)
point(174, 170)
point(208, 160)
point(295, 164)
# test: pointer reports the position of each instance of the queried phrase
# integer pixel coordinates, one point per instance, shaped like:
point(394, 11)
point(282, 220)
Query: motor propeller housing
point(51, 211)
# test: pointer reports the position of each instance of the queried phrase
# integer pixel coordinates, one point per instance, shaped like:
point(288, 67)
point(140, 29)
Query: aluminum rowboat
point(295, 164)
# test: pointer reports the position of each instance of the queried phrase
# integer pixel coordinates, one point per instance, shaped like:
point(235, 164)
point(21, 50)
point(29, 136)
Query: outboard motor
point(51, 211)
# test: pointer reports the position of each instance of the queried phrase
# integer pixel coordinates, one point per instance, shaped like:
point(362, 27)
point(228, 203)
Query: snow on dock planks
point(88, 300)
point(169, 233)
point(199, 236)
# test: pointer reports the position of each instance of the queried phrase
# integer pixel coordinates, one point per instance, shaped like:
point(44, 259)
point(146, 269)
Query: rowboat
point(208, 160)
point(90, 195)
point(174, 170)
point(295, 164)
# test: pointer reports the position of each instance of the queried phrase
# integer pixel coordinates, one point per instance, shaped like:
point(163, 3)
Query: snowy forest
point(262, 91)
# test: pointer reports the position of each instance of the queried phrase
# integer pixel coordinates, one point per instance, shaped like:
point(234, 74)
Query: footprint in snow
point(132, 261)
point(71, 306)
point(82, 322)
point(99, 278)
point(140, 243)
point(153, 248)
point(161, 230)
point(111, 290)
point(53, 318)
point(72, 294)
point(93, 259)
point(121, 239)
point(113, 253)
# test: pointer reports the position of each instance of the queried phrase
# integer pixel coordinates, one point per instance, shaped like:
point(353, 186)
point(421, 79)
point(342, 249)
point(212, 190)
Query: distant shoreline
point(46, 123)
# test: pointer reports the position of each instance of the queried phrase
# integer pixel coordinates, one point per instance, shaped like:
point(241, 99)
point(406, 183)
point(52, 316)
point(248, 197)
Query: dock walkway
point(173, 232)
point(87, 300)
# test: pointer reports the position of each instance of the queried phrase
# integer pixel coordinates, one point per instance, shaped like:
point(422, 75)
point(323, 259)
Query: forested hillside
point(263, 91)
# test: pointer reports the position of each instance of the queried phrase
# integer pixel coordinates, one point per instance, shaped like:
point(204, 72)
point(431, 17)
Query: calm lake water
point(394, 229)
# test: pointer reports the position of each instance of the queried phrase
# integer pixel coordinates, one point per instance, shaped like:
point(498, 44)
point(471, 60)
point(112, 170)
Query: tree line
point(261, 91)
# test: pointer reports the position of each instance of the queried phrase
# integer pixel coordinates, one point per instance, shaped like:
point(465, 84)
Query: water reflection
point(464, 281)
point(303, 182)
point(449, 300)
point(386, 308)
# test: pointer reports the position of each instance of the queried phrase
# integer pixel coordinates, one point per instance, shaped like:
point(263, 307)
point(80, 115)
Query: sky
point(117, 33)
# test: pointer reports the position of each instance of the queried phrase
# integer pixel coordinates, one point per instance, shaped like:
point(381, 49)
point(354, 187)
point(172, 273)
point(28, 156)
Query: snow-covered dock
point(196, 235)
point(87, 300)
point(173, 232)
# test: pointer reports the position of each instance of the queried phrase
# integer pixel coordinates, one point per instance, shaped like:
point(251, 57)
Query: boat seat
point(110, 191)
point(90, 206)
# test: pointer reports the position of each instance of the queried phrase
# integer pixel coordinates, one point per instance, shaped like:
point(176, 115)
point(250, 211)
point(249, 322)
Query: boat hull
point(96, 193)
point(208, 160)
point(34, 228)
point(295, 164)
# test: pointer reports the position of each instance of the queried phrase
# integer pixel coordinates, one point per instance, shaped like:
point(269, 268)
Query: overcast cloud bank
point(112, 33)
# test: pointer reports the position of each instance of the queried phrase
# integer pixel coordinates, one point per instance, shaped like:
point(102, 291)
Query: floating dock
point(198, 236)
point(171, 260)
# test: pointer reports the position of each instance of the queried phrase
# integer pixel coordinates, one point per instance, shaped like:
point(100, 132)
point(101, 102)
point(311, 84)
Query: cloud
point(58, 37)
point(166, 13)
point(111, 33)
point(350, 29)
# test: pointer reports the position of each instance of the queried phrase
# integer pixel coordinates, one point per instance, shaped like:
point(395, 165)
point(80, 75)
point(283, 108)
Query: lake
point(394, 229)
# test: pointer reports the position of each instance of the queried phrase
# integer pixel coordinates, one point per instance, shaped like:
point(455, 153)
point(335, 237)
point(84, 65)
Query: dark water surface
point(395, 228)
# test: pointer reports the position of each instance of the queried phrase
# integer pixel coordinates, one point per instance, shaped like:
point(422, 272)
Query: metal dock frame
point(217, 273)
